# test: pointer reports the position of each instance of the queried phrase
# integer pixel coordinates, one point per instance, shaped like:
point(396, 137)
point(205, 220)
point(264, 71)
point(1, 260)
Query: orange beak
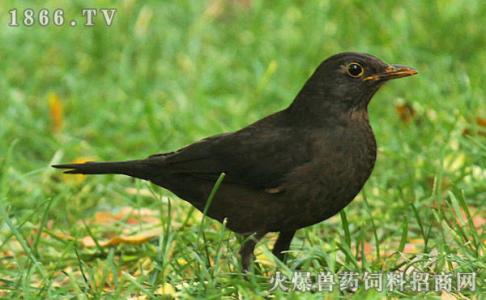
point(392, 72)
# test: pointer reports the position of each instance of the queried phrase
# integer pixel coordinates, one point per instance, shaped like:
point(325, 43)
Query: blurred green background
point(167, 73)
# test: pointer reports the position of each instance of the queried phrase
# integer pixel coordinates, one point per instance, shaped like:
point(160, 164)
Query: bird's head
point(347, 81)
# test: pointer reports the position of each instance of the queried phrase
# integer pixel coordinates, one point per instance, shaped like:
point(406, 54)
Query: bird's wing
point(258, 156)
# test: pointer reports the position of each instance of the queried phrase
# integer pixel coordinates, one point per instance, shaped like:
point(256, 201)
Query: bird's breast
point(345, 168)
point(341, 163)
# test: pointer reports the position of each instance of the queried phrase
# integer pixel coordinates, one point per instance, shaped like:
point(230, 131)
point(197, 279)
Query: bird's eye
point(355, 70)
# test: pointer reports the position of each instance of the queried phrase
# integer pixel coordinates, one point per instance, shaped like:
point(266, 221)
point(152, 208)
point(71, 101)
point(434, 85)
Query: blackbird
point(289, 170)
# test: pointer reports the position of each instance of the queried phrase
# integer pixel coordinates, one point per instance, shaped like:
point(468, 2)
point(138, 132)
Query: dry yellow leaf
point(166, 290)
point(405, 112)
point(412, 247)
point(263, 259)
point(481, 121)
point(447, 296)
point(182, 261)
point(55, 111)
point(129, 215)
point(131, 239)
point(480, 124)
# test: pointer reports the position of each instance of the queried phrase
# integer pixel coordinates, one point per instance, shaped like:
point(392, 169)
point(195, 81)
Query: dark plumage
point(292, 169)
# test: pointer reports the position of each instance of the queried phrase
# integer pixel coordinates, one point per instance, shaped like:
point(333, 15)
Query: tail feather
point(143, 169)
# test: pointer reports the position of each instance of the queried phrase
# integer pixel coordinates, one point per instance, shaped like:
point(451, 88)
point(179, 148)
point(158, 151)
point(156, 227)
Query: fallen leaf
point(481, 121)
point(166, 290)
point(62, 236)
point(102, 275)
point(104, 217)
point(412, 247)
point(262, 258)
point(405, 112)
point(182, 261)
point(145, 266)
point(88, 241)
point(129, 215)
point(55, 111)
point(447, 296)
point(135, 239)
point(479, 129)
point(368, 250)
point(453, 163)
point(479, 222)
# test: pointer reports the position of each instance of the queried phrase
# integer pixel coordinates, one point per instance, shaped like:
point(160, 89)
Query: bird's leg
point(282, 244)
point(246, 250)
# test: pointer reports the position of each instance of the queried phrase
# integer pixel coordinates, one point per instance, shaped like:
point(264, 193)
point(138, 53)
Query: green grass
point(170, 72)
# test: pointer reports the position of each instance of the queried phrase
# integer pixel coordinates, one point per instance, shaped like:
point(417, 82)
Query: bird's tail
point(143, 169)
